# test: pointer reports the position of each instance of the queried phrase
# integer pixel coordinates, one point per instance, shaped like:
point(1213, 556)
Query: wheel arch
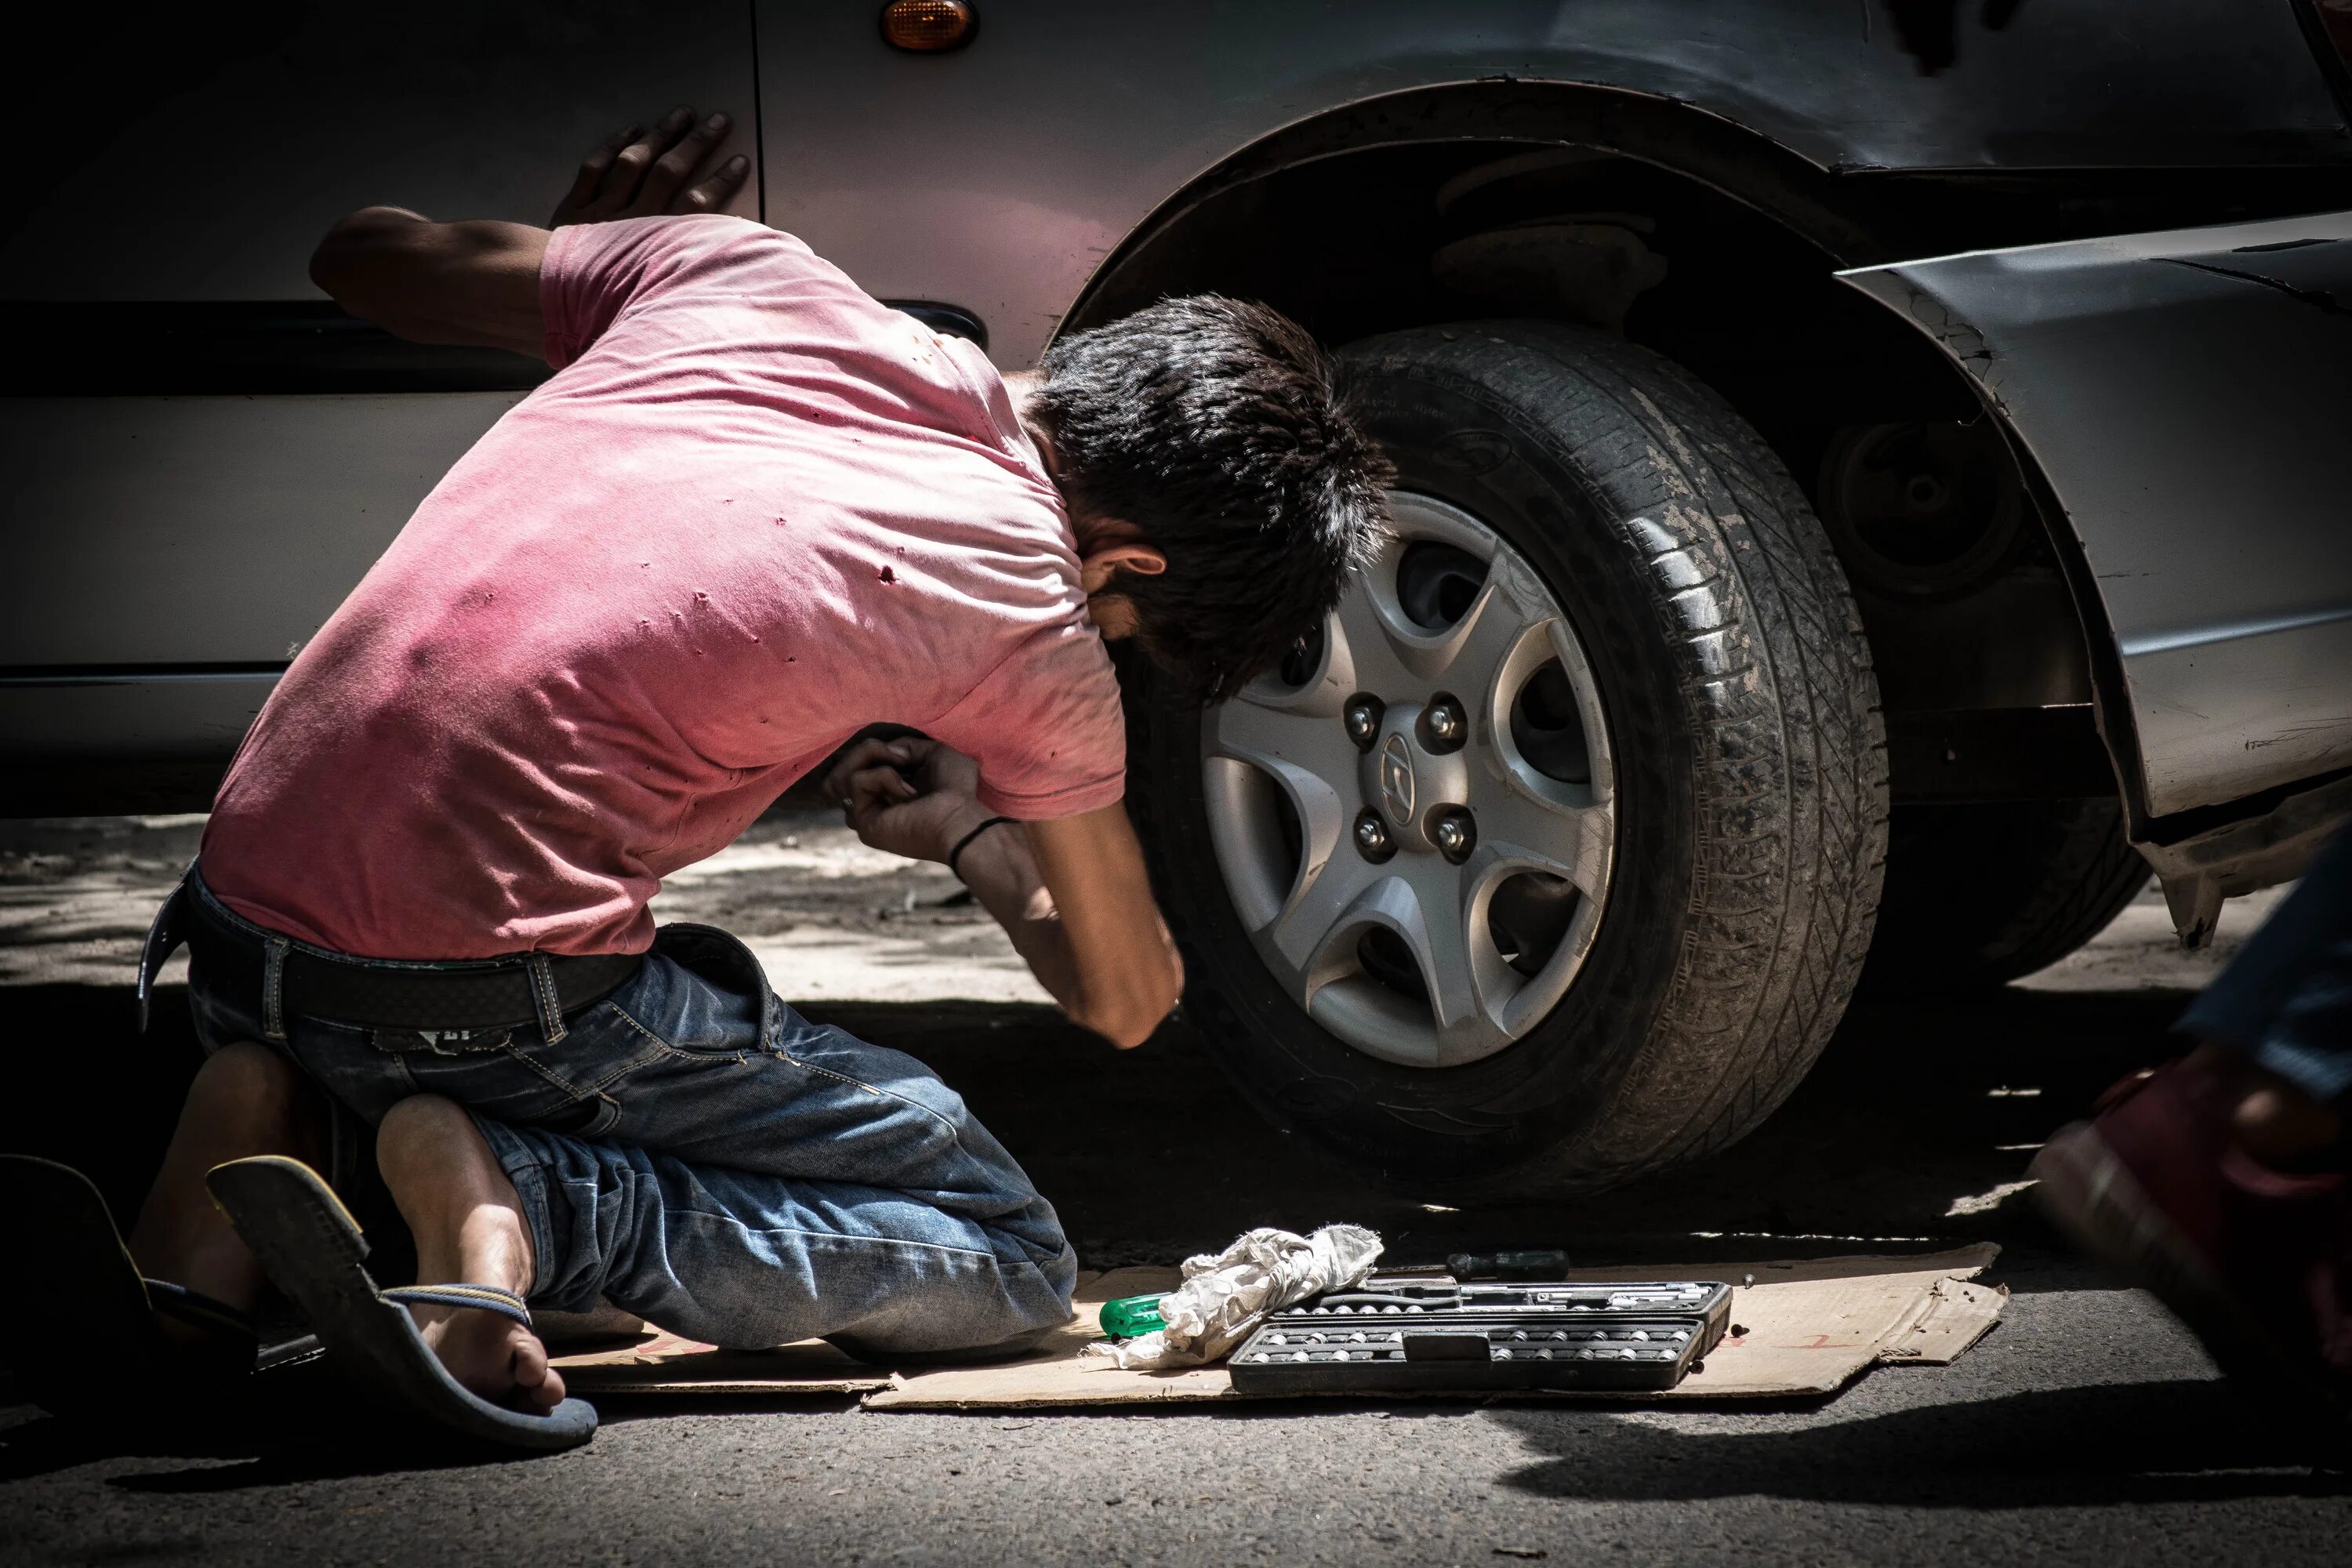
point(1339, 220)
point(1742, 163)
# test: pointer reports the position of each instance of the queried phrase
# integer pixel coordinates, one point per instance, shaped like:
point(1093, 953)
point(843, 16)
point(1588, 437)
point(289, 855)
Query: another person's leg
point(2284, 1007)
point(2219, 1181)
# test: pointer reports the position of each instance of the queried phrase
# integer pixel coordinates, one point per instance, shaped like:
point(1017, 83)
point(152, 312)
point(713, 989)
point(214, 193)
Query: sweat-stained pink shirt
point(753, 512)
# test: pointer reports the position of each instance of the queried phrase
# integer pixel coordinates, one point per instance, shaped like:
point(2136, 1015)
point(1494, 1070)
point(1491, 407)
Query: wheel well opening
point(1954, 570)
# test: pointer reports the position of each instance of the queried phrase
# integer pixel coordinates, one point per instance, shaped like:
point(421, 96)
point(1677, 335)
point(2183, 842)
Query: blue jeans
point(2286, 999)
point(695, 1152)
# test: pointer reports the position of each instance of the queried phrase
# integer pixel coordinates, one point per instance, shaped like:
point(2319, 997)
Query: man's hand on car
point(476, 282)
point(637, 173)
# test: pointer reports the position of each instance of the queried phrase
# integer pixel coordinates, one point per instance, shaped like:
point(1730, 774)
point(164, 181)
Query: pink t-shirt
point(754, 512)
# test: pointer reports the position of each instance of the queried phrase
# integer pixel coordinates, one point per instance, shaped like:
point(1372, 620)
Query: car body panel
point(1003, 174)
point(171, 549)
point(214, 146)
point(153, 539)
point(64, 717)
point(210, 530)
point(2187, 396)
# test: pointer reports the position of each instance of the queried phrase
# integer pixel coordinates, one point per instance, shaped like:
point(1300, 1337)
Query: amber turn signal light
point(928, 26)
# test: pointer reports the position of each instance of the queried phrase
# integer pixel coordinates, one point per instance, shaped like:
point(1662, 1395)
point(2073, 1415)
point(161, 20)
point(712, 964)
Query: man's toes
point(540, 1383)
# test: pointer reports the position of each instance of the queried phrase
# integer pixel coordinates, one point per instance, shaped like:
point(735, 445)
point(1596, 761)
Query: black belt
point(475, 993)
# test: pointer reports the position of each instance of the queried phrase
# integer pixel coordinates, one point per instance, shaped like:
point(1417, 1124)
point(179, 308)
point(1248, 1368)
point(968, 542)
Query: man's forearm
point(1003, 875)
point(1073, 892)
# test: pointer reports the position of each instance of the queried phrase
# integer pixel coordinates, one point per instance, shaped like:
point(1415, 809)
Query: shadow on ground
point(1913, 1132)
point(298, 1425)
point(2098, 1445)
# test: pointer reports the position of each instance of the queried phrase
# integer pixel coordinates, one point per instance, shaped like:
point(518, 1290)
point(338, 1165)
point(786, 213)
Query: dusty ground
point(2085, 1428)
point(832, 920)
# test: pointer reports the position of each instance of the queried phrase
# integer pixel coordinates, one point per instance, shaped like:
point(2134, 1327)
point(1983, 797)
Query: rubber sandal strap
point(488, 1297)
point(197, 1310)
point(311, 1248)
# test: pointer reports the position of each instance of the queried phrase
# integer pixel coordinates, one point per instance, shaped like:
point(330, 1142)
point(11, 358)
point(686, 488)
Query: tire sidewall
point(1455, 438)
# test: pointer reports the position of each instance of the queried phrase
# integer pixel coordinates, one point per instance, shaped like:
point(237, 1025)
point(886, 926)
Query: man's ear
point(1098, 566)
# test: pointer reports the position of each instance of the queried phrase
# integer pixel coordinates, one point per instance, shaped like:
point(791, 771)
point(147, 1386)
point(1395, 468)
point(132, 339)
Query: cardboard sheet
point(1810, 1327)
point(664, 1364)
point(598, 1357)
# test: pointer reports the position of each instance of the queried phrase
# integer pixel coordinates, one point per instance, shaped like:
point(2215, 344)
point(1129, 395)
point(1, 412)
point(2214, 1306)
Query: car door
point(205, 454)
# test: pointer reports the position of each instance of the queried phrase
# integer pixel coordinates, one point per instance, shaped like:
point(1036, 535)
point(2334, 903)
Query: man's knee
point(415, 1131)
point(968, 1321)
point(1035, 1293)
point(246, 1079)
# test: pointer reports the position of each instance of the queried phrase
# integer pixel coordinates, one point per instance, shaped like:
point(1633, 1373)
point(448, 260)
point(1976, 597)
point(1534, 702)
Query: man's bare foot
point(470, 1230)
point(245, 1100)
point(494, 1356)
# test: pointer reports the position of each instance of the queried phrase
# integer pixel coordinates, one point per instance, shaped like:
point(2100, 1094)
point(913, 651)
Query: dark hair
point(1216, 428)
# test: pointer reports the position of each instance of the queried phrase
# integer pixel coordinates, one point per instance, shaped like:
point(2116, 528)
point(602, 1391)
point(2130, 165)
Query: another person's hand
point(637, 173)
point(921, 819)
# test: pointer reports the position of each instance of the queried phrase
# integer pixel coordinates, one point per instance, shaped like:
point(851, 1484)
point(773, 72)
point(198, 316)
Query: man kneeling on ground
point(753, 513)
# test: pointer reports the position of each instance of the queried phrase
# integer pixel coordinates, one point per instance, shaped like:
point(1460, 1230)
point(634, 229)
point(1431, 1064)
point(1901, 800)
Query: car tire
point(1748, 758)
point(1980, 894)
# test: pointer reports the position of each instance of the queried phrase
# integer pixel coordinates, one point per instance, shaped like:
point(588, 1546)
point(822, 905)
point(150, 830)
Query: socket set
point(1423, 1336)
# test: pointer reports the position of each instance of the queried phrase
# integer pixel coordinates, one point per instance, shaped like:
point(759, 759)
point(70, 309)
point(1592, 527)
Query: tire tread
point(1794, 604)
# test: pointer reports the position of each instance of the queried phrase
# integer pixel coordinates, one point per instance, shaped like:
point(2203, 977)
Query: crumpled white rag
point(1225, 1296)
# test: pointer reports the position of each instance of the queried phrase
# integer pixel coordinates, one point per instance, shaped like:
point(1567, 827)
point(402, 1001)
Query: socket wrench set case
point(1424, 1336)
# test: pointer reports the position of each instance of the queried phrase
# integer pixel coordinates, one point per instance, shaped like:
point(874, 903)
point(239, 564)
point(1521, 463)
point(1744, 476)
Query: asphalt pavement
point(2085, 1427)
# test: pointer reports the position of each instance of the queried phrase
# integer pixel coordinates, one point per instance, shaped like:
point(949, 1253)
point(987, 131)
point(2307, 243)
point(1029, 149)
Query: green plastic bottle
point(1132, 1316)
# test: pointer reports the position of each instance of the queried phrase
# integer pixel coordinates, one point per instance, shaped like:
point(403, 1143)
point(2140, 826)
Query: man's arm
point(1071, 893)
point(1083, 904)
point(471, 283)
point(476, 283)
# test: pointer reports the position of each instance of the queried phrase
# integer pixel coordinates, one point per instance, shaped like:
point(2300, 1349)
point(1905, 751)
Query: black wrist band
point(965, 843)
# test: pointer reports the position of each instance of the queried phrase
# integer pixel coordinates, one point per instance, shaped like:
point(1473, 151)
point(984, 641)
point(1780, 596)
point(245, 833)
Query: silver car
point(1871, 486)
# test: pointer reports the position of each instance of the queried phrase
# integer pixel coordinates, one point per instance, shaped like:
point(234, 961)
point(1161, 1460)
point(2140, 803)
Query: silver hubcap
point(1415, 820)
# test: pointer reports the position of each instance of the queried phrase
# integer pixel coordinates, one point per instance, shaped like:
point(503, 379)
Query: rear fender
point(2185, 397)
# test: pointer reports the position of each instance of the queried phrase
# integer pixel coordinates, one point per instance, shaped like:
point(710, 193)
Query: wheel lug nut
point(1372, 841)
point(1455, 834)
point(1445, 724)
point(1363, 720)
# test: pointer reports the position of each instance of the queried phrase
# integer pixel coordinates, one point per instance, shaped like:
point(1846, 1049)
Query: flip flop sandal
point(88, 1343)
point(312, 1249)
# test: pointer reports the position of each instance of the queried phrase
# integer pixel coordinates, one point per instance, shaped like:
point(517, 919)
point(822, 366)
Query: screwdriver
point(1132, 1316)
point(1550, 1264)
